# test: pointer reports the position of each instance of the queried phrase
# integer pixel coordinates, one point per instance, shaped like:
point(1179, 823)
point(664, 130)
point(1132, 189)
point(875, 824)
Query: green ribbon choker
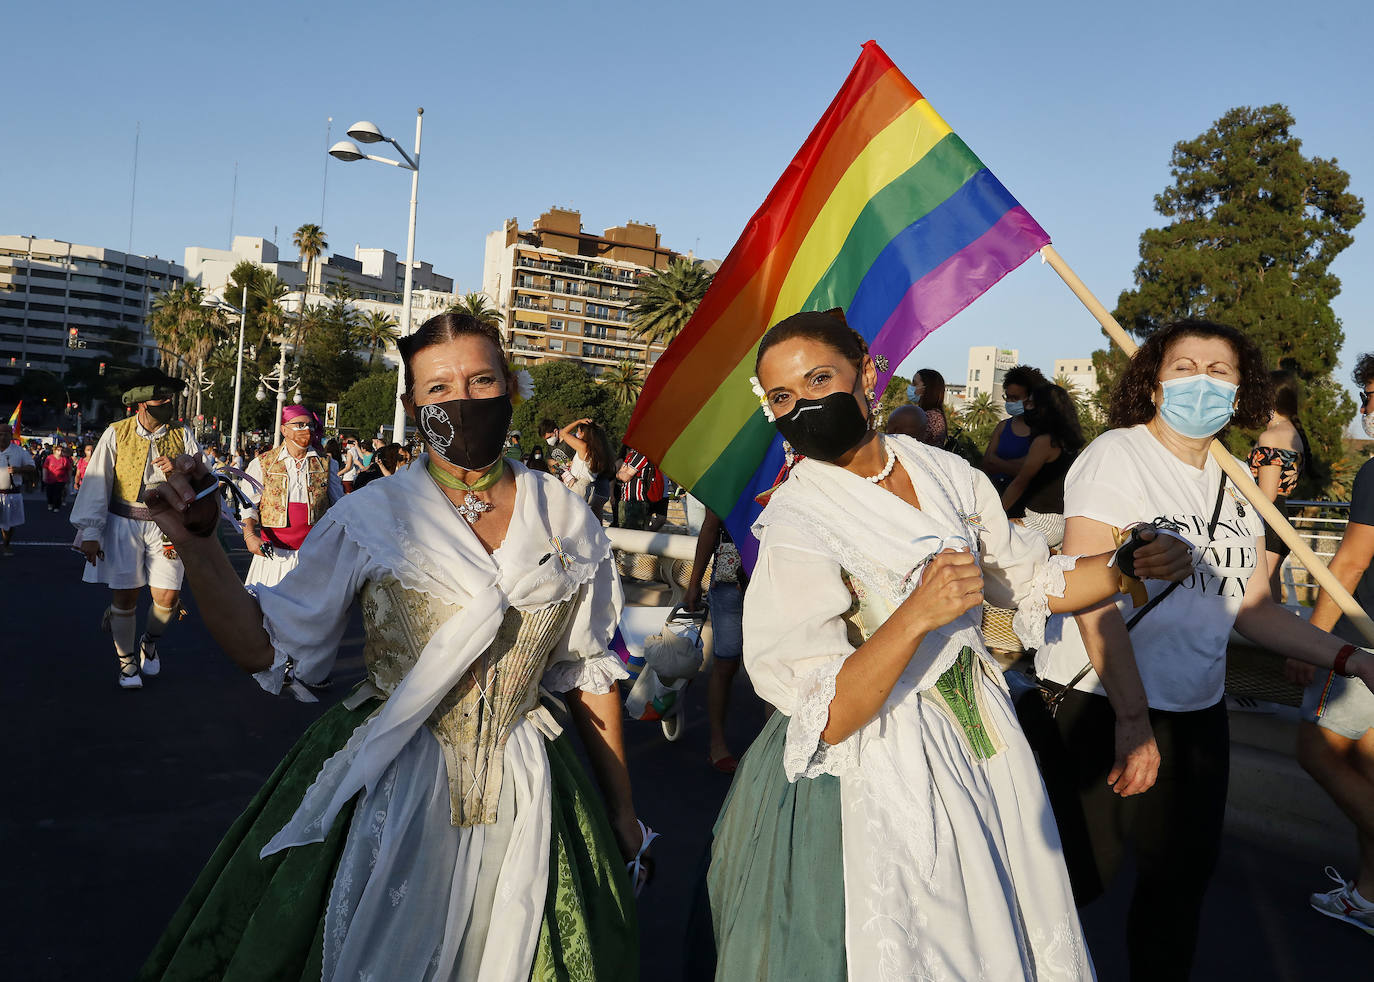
point(444, 479)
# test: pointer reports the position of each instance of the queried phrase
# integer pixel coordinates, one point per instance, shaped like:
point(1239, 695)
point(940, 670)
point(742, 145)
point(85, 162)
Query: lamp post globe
point(365, 131)
point(346, 150)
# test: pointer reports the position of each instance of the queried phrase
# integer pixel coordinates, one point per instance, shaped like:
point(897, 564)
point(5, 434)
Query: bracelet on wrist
point(1343, 656)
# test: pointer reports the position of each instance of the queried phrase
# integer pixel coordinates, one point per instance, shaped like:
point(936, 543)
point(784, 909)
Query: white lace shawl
point(843, 521)
point(406, 525)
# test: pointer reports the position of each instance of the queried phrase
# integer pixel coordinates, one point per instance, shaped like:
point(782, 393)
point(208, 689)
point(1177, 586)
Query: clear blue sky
point(682, 115)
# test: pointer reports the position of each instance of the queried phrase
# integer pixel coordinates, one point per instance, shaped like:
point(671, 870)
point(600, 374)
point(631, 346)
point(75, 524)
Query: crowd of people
point(901, 814)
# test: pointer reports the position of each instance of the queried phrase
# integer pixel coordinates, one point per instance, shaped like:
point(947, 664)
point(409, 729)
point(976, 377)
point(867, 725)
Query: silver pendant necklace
point(471, 507)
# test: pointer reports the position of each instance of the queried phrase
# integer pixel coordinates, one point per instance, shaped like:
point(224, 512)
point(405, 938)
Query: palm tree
point(476, 305)
point(269, 290)
point(186, 332)
point(623, 381)
point(665, 301)
point(309, 240)
point(375, 331)
point(981, 413)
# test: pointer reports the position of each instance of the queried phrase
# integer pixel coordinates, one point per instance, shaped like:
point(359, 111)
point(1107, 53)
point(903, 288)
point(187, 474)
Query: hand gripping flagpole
point(1239, 476)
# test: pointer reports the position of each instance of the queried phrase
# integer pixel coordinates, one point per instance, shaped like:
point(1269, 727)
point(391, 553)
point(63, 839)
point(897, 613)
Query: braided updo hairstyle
point(826, 326)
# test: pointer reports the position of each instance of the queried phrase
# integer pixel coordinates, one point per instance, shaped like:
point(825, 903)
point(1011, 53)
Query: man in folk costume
point(299, 482)
point(123, 547)
point(15, 465)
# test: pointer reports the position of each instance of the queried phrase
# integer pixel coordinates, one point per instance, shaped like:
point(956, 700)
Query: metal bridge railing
point(1321, 525)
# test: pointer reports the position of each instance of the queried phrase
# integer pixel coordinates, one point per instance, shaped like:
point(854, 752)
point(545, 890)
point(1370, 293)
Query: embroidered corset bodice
point(473, 721)
point(957, 687)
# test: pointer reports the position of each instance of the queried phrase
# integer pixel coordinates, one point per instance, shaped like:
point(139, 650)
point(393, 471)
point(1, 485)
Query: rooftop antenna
point(133, 187)
point(324, 184)
point(233, 203)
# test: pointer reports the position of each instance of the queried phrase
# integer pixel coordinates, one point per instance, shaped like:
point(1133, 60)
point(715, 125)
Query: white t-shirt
point(13, 456)
point(1127, 476)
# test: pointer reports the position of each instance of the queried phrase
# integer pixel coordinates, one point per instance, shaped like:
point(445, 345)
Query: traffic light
point(102, 368)
point(72, 340)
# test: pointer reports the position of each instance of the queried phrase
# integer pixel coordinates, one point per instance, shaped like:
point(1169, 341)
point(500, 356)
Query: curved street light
point(365, 131)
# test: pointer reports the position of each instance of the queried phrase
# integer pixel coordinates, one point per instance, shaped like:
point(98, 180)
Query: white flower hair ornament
point(757, 386)
point(524, 387)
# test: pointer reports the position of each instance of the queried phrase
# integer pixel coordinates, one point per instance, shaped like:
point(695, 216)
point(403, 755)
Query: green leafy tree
point(1253, 227)
point(563, 392)
point(477, 305)
point(665, 301)
point(623, 381)
point(894, 395)
point(368, 404)
point(310, 242)
point(979, 418)
point(329, 366)
point(375, 331)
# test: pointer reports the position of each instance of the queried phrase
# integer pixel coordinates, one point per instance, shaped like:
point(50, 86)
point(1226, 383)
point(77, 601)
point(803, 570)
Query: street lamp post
point(238, 373)
point(283, 383)
point(347, 150)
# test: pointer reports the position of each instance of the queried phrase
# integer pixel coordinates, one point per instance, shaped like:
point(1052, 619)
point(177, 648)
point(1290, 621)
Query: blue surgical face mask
point(1197, 406)
point(1015, 407)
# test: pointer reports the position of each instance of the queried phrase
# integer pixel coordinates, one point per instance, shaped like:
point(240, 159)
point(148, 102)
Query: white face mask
point(1367, 421)
point(551, 440)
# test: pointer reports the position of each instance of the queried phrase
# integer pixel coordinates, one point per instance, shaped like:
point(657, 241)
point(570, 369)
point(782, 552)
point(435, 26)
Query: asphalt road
point(118, 797)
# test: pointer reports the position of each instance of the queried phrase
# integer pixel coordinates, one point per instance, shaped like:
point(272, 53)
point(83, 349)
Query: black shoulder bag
point(1053, 693)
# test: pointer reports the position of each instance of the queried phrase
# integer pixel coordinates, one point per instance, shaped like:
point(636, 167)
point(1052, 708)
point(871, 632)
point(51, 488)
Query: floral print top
point(1289, 461)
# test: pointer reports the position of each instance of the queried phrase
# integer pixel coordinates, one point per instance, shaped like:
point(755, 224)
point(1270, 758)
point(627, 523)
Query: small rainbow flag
point(14, 418)
point(884, 212)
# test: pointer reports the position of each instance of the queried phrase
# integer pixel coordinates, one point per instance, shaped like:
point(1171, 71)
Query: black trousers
point(1174, 829)
point(55, 491)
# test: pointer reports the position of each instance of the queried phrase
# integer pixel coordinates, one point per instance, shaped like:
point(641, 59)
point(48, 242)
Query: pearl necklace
point(883, 474)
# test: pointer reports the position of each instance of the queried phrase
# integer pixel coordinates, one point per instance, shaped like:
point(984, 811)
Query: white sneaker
point(128, 674)
point(147, 657)
point(1339, 903)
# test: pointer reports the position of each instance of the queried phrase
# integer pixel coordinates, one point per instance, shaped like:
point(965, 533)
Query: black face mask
point(161, 413)
point(824, 429)
point(468, 433)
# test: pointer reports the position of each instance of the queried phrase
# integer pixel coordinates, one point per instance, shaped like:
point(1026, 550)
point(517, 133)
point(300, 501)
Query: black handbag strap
point(1158, 598)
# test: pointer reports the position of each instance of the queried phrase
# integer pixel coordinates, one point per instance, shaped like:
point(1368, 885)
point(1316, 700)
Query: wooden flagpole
point(1239, 476)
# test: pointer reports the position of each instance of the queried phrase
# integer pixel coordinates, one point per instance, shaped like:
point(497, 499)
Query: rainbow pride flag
point(14, 418)
point(884, 212)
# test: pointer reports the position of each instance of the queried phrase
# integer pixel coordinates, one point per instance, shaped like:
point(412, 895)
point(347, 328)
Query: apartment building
point(987, 366)
point(1079, 372)
point(49, 286)
point(563, 293)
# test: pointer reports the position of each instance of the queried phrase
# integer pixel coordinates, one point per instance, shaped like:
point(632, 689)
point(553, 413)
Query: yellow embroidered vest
point(131, 457)
point(275, 493)
point(473, 721)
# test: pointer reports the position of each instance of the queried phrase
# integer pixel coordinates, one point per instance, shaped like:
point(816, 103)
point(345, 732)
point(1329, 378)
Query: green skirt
point(249, 919)
point(775, 884)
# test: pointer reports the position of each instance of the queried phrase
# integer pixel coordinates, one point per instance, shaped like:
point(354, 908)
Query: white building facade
point(50, 286)
point(1079, 373)
point(987, 367)
point(374, 276)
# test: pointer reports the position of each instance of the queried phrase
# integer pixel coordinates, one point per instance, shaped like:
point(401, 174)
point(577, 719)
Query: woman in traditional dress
point(889, 822)
point(433, 825)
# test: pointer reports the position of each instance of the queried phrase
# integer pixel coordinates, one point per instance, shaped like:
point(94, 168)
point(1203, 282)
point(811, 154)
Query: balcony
point(592, 270)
